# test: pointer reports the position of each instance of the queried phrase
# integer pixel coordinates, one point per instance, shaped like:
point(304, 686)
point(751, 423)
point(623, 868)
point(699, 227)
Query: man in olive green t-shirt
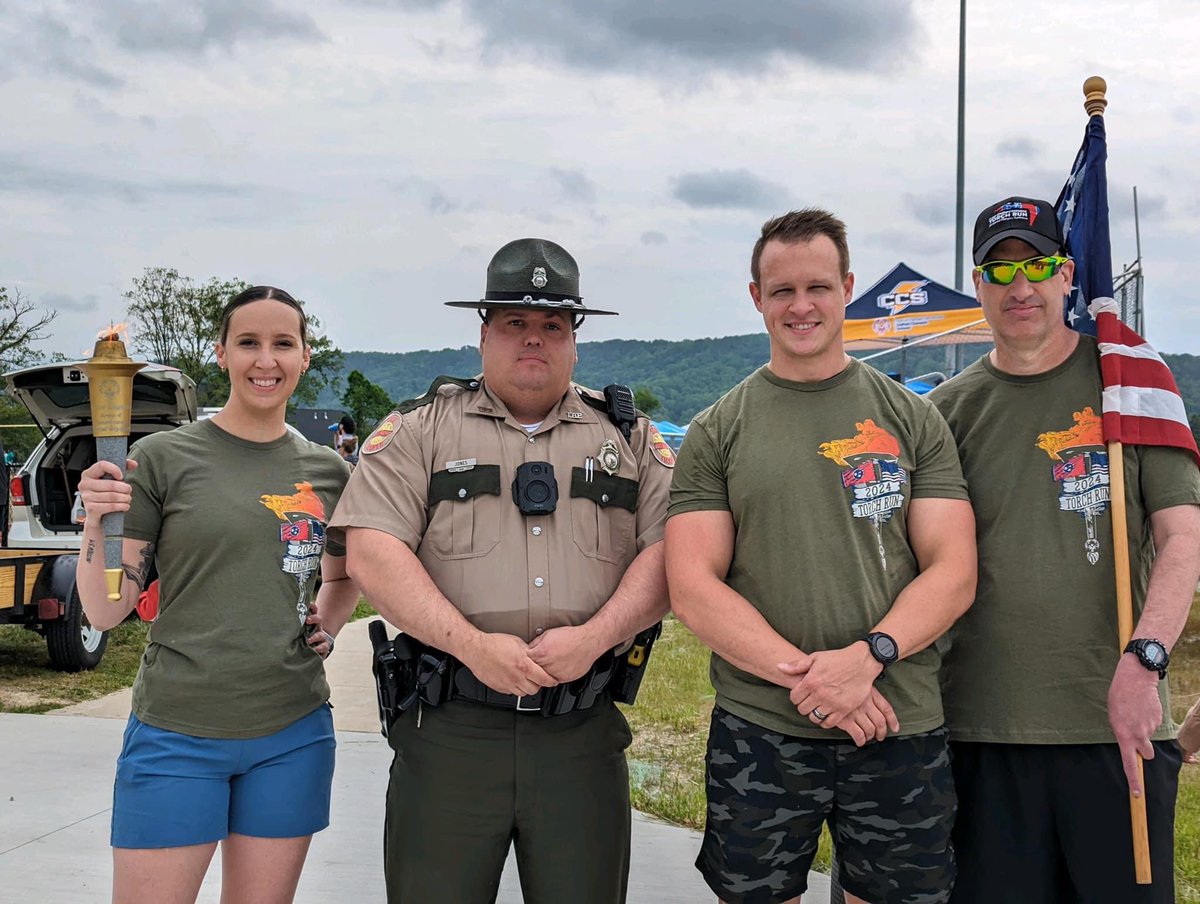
point(1044, 711)
point(820, 541)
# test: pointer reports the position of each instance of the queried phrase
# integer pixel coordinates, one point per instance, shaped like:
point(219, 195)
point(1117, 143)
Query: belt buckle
point(527, 709)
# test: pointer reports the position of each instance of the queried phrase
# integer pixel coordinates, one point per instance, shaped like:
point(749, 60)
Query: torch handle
point(114, 450)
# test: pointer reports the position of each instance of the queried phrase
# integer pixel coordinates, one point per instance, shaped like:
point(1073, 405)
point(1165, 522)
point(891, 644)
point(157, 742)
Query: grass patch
point(29, 685)
point(1185, 689)
point(670, 727)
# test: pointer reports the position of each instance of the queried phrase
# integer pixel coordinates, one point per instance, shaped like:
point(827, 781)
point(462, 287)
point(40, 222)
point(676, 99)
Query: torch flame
point(116, 332)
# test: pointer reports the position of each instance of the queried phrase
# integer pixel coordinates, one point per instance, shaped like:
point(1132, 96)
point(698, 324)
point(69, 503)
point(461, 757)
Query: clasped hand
point(836, 690)
point(507, 664)
point(504, 662)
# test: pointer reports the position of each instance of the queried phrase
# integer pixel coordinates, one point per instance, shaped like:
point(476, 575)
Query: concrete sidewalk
point(56, 798)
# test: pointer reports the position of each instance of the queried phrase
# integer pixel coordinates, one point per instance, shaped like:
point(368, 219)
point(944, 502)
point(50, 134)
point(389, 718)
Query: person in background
point(231, 737)
point(344, 429)
point(349, 449)
point(1189, 734)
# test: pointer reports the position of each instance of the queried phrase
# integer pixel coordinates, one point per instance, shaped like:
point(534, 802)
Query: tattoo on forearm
point(91, 550)
point(138, 573)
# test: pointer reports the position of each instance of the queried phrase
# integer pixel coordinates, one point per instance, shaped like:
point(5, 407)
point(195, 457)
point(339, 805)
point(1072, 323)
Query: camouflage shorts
point(890, 807)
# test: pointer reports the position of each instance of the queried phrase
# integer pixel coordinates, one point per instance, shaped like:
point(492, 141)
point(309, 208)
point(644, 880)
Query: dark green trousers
point(473, 779)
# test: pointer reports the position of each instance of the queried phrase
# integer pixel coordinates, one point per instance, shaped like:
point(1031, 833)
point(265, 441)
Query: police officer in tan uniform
point(508, 521)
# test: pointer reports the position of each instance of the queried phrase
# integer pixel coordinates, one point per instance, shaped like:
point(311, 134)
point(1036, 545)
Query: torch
point(110, 394)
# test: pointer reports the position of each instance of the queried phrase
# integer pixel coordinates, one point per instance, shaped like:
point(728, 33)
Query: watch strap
point(1137, 647)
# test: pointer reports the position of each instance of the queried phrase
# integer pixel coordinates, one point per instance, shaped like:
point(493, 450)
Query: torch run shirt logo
point(871, 472)
point(303, 536)
point(1080, 469)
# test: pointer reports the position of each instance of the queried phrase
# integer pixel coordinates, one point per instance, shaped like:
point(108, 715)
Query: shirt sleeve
point(699, 483)
point(937, 472)
point(654, 478)
point(1168, 477)
point(339, 476)
point(143, 521)
point(389, 488)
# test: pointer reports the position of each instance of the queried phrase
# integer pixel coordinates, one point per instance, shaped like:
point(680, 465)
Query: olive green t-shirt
point(239, 530)
point(818, 478)
point(1032, 659)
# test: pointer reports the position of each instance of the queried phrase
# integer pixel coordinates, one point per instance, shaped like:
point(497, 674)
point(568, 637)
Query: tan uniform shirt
point(440, 479)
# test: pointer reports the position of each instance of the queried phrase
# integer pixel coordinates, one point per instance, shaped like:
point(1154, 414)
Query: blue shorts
point(174, 789)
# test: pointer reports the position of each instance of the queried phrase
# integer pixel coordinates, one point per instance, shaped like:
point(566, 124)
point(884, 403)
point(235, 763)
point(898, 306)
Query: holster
point(406, 670)
point(631, 667)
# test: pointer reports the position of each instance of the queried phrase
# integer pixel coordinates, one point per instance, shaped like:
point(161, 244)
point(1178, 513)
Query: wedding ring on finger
point(818, 715)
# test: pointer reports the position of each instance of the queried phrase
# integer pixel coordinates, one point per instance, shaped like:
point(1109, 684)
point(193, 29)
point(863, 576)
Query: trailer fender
point(58, 587)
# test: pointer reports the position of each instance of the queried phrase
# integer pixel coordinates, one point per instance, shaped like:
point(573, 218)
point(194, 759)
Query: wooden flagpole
point(1094, 103)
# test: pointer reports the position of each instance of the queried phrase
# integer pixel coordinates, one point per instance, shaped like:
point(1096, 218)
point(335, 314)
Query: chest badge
point(609, 457)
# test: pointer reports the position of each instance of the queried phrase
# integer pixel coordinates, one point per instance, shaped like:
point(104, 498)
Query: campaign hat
point(532, 273)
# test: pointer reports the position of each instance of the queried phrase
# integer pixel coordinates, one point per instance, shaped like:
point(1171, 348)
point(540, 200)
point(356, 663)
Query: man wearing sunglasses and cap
point(510, 523)
point(1045, 714)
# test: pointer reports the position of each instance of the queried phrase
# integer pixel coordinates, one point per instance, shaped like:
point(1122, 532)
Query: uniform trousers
point(469, 779)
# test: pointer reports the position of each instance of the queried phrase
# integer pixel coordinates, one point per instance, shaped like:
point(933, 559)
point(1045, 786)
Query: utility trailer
point(37, 591)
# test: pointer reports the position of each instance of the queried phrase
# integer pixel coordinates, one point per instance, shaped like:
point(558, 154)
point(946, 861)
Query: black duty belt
point(407, 671)
point(582, 693)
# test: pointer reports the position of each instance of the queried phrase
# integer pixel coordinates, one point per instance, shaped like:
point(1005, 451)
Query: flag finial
point(1094, 100)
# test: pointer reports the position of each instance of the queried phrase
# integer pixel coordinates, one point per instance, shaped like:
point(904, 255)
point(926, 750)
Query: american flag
point(1141, 403)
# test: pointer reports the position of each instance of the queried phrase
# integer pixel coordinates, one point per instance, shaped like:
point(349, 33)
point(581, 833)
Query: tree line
point(175, 319)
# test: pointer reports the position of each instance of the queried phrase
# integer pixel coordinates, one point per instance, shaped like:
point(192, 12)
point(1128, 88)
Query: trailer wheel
point(74, 645)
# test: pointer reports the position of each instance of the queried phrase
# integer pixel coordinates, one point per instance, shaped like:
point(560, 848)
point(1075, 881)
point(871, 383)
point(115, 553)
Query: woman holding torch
point(231, 737)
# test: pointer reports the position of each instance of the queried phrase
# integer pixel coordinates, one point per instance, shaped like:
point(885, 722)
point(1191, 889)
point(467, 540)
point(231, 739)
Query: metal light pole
point(962, 103)
point(959, 205)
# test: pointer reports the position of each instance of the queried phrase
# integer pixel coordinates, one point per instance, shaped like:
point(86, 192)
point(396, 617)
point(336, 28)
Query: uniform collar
point(571, 408)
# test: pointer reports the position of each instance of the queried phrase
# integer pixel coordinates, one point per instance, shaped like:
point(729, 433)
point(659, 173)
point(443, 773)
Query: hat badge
point(539, 277)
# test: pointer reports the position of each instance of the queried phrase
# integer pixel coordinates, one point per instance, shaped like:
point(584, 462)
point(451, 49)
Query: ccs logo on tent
point(905, 293)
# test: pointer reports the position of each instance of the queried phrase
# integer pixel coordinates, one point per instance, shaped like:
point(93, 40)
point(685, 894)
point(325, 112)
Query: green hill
point(686, 376)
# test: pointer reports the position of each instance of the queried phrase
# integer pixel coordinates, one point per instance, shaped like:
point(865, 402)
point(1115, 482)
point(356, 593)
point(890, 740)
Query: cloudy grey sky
point(370, 155)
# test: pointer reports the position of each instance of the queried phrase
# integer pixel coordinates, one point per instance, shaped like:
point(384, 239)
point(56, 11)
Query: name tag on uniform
point(464, 464)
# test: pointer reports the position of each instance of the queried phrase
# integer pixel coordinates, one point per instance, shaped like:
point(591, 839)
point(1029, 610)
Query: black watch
point(1151, 653)
point(883, 648)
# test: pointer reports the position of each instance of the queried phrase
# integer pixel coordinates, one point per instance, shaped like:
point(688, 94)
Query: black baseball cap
point(532, 273)
point(1027, 219)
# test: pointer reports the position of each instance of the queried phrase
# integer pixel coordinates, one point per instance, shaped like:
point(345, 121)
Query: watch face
point(885, 646)
point(1155, 653)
